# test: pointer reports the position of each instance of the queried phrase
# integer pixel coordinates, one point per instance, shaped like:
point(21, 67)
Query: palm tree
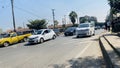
point(73, 16)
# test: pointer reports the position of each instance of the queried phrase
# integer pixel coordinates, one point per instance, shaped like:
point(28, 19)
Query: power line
point(24, 10)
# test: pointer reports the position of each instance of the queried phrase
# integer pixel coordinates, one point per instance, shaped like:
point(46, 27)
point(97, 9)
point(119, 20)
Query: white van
point(85, 29)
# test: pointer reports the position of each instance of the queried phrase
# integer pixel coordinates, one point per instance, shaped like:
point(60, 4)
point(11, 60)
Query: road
point(45, 55)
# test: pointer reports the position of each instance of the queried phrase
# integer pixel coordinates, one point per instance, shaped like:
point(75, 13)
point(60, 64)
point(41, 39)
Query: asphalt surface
point(45, 55)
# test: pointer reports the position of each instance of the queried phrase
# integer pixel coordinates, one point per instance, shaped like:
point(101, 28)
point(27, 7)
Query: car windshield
point(37, 32)
point(83, 25)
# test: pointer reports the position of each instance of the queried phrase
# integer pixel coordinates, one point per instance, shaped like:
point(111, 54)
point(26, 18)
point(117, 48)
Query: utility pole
point(13, 15)
point(53, 17)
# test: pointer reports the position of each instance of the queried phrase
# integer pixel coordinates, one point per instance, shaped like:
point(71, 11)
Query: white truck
point(85, 29)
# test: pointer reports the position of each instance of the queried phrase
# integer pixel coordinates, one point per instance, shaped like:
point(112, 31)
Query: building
point(87, 19)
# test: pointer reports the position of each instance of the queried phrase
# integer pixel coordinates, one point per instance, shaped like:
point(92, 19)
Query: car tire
point(6, 44)
point(53, 37)
point(77, 36)
point(41, 40)
point(25, 39)
point(93, 34)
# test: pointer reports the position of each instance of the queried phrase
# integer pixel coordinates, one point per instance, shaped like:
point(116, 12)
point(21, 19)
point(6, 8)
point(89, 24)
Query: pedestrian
point(105, 25)
point(108, 25)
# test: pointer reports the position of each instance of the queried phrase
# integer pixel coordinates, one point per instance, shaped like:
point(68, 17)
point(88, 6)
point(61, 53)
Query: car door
point(14, 38)
point(50, 34)
point(46, 35)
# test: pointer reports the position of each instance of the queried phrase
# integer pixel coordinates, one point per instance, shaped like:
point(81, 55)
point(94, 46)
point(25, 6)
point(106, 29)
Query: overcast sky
point(41, 9)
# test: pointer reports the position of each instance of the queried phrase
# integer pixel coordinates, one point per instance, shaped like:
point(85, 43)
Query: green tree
point(112, 17)
point(73, 17)
point(37, 24)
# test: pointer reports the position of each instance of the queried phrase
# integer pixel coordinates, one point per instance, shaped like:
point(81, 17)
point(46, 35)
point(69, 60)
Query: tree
point(37, 24)
point(73, 17)
point(114, 9)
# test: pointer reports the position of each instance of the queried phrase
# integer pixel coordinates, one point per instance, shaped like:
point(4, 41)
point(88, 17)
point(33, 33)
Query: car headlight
point(35, 37)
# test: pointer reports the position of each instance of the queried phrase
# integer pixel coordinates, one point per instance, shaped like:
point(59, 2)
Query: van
point(85, 29)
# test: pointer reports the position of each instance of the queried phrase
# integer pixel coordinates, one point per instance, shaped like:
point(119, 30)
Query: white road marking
point(83, 51)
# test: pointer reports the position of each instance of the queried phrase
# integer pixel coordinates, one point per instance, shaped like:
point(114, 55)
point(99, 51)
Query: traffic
point(40, 36)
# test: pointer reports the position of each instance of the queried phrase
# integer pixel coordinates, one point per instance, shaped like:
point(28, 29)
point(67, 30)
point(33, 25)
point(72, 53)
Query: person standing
point(108, 25)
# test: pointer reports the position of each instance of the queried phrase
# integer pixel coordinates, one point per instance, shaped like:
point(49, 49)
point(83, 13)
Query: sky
point(26, 10)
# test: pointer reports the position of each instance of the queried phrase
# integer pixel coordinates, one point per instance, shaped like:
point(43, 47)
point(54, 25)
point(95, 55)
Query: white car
point(42, 35)
point(85, 29)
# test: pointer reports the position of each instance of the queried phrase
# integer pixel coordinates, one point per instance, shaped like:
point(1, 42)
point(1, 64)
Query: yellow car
point(12, 38)
point(24, 35)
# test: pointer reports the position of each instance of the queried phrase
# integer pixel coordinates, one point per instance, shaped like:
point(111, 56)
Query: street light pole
point(53, 17)
point(13, 15)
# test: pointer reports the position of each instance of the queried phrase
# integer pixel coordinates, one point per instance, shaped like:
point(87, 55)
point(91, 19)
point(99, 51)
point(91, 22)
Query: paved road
point(45, 55)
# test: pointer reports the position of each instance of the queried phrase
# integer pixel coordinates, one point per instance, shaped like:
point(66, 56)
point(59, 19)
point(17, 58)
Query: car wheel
point(41, 40)
point(25, 39)
point(65, 34)
point(90, 33)
point(53, 37)
point(5, 44)
point(77, 36)
point(93, 34)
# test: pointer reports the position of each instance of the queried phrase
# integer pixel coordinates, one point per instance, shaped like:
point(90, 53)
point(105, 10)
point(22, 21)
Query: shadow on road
point(87, 62)
point(95, 39)
point(29, 44)
point(81, 37)
point(90, 62)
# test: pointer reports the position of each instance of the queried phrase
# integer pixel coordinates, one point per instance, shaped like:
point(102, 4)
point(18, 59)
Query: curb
point(106, 57)
point(116, 51)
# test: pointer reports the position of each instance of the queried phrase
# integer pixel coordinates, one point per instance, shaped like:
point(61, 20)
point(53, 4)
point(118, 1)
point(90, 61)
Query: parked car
point(70, 31)
point(85, 29)
point(41, 35)
point(7, 39)
point(57, 31)
point(26, 34)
